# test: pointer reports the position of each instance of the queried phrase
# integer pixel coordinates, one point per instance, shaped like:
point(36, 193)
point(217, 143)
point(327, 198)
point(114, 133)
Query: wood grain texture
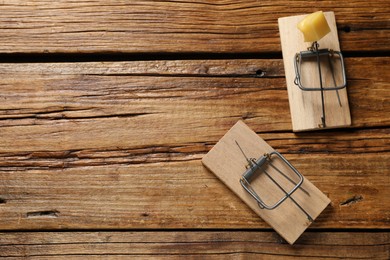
point(101, 26)
point(131, 191)
point(193, 245)
point(212, 93)
point(118, 144)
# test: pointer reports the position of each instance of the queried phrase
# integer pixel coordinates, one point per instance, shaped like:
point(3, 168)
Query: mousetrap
point(264, 180)
point(315, 72)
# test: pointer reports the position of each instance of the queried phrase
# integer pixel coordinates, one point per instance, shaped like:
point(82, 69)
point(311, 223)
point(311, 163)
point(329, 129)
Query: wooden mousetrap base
point(228, 163)
point(306, 106)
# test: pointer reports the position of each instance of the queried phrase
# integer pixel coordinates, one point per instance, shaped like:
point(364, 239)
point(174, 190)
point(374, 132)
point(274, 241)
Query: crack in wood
point(362, 143)
point(353, 200)
point(61, 115)
point(86, 157)
point(43, 214)
point(3, 201)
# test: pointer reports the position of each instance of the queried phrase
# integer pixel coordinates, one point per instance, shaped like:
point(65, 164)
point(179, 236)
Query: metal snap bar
point(256, 166)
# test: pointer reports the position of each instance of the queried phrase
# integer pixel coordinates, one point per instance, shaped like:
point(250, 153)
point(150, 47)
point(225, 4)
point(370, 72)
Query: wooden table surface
point(107, 107)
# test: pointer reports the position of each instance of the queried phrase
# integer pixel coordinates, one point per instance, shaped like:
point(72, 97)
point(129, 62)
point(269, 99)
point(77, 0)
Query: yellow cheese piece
point(314, 27)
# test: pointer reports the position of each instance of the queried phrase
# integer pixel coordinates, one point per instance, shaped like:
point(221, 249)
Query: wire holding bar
point(333, 76)
point(315, 45)
point(254, 165)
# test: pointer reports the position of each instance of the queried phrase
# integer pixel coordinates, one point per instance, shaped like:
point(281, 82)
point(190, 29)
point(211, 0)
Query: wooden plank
point(101, 26)
point(306, 106)
point(167, 187)
point(197, 245)
point(42, 92)
point(291, 218)
point(74, 153)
